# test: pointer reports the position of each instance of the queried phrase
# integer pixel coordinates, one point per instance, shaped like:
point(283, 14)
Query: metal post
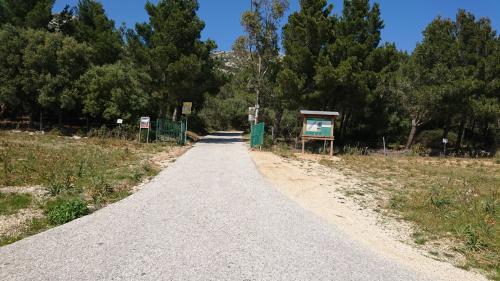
point(186, 130)
point(383, 140)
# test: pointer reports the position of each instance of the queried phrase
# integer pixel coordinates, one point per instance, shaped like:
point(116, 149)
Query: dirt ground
point(351, 205)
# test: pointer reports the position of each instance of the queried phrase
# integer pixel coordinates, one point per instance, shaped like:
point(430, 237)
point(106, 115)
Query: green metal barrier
point(167, 130)
point(257, 135)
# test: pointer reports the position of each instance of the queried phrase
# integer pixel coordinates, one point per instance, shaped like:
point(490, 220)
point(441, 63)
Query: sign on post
point(119, 121)
point(145, 123)
point(186, 108)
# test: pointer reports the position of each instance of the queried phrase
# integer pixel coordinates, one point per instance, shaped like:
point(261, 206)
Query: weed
point(419, 238)
point(62, 211)
point(396, 202)
point(99, 189)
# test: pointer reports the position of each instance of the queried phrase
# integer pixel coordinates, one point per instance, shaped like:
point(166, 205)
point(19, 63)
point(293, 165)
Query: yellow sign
point(186, 108)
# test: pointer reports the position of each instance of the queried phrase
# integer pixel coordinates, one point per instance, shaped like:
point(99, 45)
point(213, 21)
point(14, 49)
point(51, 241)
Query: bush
point(62, 211)
point(434, 138)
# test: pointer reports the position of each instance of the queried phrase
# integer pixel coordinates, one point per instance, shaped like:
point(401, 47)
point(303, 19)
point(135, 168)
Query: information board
point(318, 127)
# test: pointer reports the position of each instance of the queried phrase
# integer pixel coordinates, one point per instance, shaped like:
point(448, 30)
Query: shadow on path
point(222, 138)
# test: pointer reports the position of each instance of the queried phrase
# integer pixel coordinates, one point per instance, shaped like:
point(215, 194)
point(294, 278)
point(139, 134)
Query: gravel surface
point(209, 216)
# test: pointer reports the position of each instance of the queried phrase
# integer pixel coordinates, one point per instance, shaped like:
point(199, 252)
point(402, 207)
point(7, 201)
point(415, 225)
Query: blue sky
point(404, 19)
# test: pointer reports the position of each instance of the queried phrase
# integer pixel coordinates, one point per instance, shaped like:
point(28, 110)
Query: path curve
point(209, 216)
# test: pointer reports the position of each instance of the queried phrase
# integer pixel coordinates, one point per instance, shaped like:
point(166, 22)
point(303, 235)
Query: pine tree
point(179, 63)
point(93, 27)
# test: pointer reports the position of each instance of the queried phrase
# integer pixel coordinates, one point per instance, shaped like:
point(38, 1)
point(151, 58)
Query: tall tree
point(96, 29)
point(344, 77)
point(261, 44)
point(12, 97)
point(179, 62)
point(452, 63)
point(304, 37)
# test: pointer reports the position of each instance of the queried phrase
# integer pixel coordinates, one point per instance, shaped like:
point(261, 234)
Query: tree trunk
point(277, 123)
point(174, 115)
point(343, 124)
point(59, 118)
point(460, 136)
point(2, 109)
point(413, 132)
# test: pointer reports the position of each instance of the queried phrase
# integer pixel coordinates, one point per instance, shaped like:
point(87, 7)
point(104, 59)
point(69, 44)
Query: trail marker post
point(445, 142)
point(186, 110)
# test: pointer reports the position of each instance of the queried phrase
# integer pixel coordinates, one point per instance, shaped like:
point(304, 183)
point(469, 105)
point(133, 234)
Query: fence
point(167, 130)
point(257, 135)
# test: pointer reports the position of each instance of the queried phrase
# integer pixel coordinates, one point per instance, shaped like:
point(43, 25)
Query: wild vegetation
point(452, 198)
point(58, 179)
point(75, 67)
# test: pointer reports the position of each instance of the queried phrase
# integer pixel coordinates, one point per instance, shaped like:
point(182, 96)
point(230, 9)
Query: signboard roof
point(319, 113)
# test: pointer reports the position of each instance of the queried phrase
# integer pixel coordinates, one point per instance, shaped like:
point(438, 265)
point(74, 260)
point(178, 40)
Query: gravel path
point(210, 216)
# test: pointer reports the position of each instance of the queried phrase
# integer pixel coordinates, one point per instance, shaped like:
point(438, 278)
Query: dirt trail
point(322, 191)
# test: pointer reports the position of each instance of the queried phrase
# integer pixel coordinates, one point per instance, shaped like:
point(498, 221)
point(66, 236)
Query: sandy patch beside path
point(321, 190)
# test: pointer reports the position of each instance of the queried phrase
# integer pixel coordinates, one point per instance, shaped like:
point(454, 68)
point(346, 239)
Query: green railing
point(257, 135)
point(167, 130)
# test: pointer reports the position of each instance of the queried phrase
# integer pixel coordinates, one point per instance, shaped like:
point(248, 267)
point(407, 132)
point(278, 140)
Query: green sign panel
point(318, 127)
point(257, 135)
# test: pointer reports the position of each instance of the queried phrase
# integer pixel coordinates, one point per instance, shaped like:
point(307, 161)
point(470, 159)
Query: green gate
point(257, 135)
point(167, 130)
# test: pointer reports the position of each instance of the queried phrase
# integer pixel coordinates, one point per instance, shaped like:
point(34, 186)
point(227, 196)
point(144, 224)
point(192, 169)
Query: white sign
point(314, 126)
point(145, 123)
point(445, 141)
point(317, 125)
point(251, 110)
point(251, 117)
point(119, 121)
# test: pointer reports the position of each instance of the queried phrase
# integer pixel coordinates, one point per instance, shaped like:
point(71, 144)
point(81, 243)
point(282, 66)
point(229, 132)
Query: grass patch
point(61, 211)
point(10, 203)
point(76, 173)
point(446, 197)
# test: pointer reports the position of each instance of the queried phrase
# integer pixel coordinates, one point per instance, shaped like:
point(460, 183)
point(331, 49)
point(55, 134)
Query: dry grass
point(449, 198)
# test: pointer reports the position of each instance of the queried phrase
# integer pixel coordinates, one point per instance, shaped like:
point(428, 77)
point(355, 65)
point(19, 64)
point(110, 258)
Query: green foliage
point(10, 203)
point(179, 63)
point(96, 29)
point(62, 210)
point(26, 13)
point(449, 76)
point(115, 91)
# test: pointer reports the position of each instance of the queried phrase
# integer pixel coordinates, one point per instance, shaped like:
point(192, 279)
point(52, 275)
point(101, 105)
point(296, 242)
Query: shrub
point(62, 211)
point(434, 138)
